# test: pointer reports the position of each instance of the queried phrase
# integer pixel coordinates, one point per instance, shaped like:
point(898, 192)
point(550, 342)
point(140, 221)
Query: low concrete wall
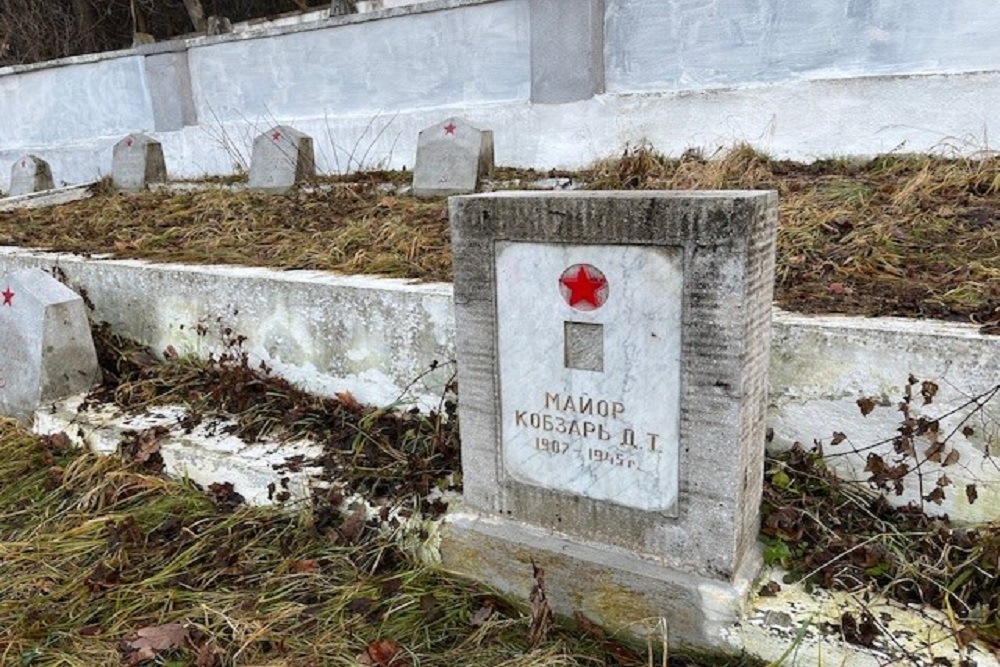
point(560, 82)
point(377, 337)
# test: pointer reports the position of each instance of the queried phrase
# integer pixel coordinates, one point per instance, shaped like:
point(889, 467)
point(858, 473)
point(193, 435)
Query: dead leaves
point(156, 641)
point(866, 404)
point(143, 447)
point(384, 653)
point(149, 642)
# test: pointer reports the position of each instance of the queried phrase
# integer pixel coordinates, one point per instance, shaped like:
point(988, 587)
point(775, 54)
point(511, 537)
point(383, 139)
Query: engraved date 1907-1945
point(574, 428)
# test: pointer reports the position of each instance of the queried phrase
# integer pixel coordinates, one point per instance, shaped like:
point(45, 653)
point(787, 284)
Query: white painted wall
point(657, 45)
point(59, 105)
point(470, 55)
point(800, 79)
point(373, 336)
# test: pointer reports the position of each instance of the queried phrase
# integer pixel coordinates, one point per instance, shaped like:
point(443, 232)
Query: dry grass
point(910, 235)
point(93, 550)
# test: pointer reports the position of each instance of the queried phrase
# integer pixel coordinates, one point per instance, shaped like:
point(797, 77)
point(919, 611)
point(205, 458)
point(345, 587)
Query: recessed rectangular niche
point(584, 346)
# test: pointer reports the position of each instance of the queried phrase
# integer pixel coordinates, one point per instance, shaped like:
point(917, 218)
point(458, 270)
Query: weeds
point(104, 563)
point(844, 535)
point(911, 235)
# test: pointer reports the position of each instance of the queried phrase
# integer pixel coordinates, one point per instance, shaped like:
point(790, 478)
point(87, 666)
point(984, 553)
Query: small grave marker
point(452, 158)
point(612, 356)
point(30, 174)
point(137, 161)
point(282, 158)
point(46, 349)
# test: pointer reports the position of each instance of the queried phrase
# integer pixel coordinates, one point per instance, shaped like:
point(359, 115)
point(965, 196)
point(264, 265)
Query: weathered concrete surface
point(656, 45)
point(802, 629)
point(47, 198)
point(476, 53)
point(713, 254)
point(885, 79)
point(29, 175)
point(609, 585)
point(726, 310)
point(204, 454)
point(374, 337)
point(453, 157)
point(567, 50)
point(282, 158)
point(169, 79)
point(820, 365)
point(46, 350)
point(136, 162)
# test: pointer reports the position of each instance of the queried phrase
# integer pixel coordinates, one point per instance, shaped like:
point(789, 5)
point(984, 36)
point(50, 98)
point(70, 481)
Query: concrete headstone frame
point(613, 352)
point(30, 174)
point(453, 156)
point(282, 158)
point(46, 349)
point(137, 161)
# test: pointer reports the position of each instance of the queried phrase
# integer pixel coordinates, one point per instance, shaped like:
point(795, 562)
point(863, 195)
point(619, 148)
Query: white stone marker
point(612, 359)
point(453, 156)
point(282, 158)
point(30, 174)
point(46, 349)
point(137, 161)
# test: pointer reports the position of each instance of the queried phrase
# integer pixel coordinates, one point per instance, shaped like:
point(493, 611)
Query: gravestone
point(30, 174)
point(137, 161)
point(612, 355)
point(46, 349)
point(282, 158)
point(453, 156)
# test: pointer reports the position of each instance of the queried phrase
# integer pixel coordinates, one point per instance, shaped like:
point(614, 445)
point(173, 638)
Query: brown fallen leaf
point(304, 566)
point(148, 443)
point(384, 653)
point(867, 405)
point(150, 641)
point(971, 493)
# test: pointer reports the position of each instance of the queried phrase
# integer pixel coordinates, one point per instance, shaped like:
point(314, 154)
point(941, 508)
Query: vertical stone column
point(567, 50)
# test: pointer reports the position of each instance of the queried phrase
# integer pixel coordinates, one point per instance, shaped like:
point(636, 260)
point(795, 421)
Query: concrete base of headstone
point(46, 345)
point(30, 174)
point(137, 160)
point(282, 159)
point(610, 586)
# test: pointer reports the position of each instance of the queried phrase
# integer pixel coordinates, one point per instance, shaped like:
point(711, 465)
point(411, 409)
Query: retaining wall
point(560, 82)
point(378, 337)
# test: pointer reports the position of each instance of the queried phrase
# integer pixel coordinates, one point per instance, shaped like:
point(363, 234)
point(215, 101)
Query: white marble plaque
point(589, 343)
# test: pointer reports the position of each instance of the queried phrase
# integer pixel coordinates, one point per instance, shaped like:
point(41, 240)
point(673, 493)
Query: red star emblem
point(276, 136)
point(584, 287)
point(450, 128)
point(128, 142)
point(8, 297)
